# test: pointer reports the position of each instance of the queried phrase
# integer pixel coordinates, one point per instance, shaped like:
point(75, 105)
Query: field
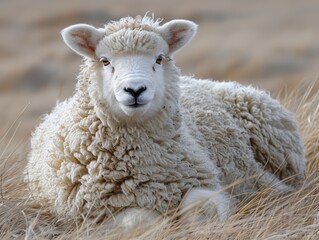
point(270, 44)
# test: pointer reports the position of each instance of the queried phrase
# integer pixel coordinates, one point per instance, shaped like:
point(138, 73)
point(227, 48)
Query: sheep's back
point(247, 132)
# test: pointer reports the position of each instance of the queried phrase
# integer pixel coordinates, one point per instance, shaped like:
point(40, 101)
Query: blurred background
point(272, 44)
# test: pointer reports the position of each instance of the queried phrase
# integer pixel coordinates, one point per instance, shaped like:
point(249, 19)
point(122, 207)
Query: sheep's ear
point(177, 33)
point(82, 39)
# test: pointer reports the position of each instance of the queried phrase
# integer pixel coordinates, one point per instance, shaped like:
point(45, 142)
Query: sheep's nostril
point(135, 93)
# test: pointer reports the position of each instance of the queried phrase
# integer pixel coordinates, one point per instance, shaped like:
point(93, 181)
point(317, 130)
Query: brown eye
point(159, 59)
point(105, 61)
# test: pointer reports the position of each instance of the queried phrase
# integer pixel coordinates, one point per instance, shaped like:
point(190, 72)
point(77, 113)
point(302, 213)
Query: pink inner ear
point(174, 37)
point(85, 41)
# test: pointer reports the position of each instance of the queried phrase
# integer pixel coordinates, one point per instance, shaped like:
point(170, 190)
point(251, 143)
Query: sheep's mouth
point(136, 105)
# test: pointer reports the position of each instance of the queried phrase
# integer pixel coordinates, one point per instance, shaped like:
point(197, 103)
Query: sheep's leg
point(135, 217)
point(204, 204)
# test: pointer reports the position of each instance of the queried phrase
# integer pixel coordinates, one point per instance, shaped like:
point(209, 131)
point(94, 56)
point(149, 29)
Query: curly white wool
point(137, 135)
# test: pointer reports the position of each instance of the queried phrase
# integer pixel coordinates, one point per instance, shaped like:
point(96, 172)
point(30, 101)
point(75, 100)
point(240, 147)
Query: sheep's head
point(134, 55)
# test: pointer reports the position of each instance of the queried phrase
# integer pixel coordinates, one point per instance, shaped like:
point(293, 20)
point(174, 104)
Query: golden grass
point(266, 216)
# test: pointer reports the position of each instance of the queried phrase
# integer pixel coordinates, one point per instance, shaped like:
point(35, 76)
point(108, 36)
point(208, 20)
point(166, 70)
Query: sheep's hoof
point(131, 218)
point(202, 205)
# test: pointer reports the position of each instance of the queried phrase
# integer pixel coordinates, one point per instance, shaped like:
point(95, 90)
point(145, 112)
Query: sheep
point(138, 139)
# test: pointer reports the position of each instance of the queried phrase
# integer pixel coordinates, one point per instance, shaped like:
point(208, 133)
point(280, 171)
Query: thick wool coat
point(207, 134)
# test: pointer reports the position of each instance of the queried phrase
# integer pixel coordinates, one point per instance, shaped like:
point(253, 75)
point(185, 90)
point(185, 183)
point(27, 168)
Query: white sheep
point(136, 137)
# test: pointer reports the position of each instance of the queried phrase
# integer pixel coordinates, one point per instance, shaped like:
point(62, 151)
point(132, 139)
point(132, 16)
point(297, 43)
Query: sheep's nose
point(135, 93)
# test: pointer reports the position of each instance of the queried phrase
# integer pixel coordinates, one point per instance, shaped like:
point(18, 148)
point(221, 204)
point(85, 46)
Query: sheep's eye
point(159, 59)
point(105, 61)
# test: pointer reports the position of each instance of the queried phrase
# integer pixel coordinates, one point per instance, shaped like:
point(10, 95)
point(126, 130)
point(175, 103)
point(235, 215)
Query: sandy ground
point(268, 43)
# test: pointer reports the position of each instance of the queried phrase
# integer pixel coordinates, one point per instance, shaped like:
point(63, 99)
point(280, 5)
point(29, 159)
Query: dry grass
point(267, 216)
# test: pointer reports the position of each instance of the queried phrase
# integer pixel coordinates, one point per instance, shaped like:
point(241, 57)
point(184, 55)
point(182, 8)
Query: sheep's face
point(133, 56)
point(133, 84)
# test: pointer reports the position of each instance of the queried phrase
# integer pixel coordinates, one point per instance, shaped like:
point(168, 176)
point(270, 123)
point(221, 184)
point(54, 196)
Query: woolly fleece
point(207, 134)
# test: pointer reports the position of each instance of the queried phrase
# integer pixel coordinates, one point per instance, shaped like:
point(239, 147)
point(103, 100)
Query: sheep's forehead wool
point(131, 41)
point(132, 34)
point(141, 23)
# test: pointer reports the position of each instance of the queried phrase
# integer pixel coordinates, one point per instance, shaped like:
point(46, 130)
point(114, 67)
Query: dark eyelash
point(105, 61)
point(159, 59)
